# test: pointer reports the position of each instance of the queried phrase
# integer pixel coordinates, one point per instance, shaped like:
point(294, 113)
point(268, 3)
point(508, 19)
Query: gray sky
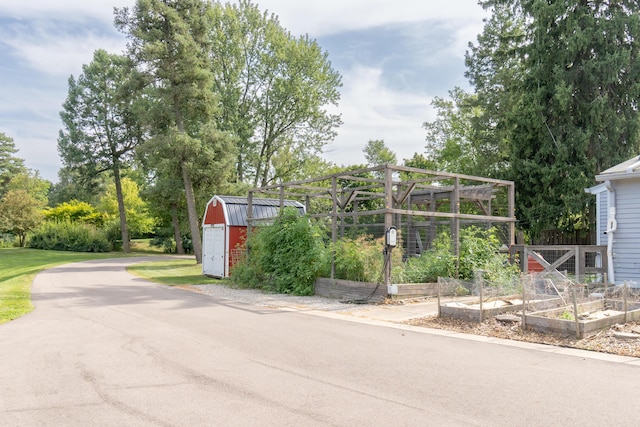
point(394, 57)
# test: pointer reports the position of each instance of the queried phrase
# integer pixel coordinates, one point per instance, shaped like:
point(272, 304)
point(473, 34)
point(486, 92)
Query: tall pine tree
point(565, 99)
point(169, 43)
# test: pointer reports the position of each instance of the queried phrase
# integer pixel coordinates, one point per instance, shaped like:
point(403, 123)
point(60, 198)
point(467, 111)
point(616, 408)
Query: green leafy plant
point(567, 315)
point(69, 236)
point(439, 261)
point(285, 257)
point(479, 250)
point(461, 291)
point(360, 259)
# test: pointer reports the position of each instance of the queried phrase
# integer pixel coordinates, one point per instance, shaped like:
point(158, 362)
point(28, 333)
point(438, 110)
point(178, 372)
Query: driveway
point(105, 348)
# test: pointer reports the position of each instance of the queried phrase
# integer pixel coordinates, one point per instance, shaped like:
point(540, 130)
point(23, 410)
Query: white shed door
point(213, 258)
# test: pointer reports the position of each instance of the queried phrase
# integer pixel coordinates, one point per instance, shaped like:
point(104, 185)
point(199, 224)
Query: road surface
point(104, 348)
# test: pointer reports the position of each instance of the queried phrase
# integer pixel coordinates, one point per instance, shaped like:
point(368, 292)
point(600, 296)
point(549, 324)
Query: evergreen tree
point(169, 44)
point(10, 165)
point(578, 112)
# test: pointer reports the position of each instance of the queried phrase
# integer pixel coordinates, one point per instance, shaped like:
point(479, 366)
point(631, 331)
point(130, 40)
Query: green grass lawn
point(172, 272)
point(19, 266)
point(144, 246)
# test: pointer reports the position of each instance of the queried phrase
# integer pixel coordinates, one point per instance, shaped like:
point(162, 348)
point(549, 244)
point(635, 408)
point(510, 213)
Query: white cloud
point(37, 144)
point(322, 17)
point(69, 10)
point(45, 41)
point(62, 55)
point(372, 111)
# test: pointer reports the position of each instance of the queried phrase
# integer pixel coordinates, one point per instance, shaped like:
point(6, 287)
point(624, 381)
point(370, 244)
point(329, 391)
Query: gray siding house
point(618, 219)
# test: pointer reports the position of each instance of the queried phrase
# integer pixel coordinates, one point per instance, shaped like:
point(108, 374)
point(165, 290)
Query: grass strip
point(177, 272)
point(19, 266)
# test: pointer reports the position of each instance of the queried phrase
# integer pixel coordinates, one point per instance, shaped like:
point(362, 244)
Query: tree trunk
point(126, 248)
point(194, 226)
point(176, 230)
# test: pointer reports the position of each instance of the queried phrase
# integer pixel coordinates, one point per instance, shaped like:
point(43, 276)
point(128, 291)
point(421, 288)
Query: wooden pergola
point(410, 199)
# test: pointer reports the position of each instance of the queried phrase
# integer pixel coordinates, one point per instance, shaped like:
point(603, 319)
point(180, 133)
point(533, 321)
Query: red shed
point(224, 228)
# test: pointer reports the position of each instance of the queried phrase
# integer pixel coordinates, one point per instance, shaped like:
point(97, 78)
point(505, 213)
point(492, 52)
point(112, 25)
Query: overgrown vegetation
point(357, 259)
point(69, 236)
point(285, 257)
point(439, 261)
point(479, 251)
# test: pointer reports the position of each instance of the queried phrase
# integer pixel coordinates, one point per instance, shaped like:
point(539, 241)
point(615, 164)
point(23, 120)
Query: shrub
point(285, 257)
point(113, 234)
point(360, 259)
point(68, 236)
point(75, 211)
point(439, 261)
point(163, 238)
point(354, 260)
point(8, 240)
point(479, 250)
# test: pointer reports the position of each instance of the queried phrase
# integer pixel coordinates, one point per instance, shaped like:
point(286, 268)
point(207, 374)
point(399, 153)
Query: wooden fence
point(577, 260)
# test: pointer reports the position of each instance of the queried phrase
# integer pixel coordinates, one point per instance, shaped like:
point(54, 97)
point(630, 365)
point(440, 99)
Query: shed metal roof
point(262, 208)
point(626, 169)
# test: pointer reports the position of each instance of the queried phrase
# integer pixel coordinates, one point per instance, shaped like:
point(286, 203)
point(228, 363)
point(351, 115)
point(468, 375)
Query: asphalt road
point(103, 348)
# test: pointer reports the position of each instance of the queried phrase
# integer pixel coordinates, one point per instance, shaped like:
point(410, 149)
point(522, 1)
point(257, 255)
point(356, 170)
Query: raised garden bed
point(593, 316)
point(413, 290)
point(472, 310)
point(349, 290)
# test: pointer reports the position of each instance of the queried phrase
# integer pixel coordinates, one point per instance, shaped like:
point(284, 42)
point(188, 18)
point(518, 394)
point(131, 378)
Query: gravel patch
point(259, 298)
point(614, 340)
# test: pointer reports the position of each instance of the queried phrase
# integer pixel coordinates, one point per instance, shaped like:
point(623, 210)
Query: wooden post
point(512, 213)
point(575, 311)
point(432, 221)
point(342, 213)
point(524, 261)
point(455, 223)
point(580, 260)
point(388, 220)
point(334, 223)
point(355, 217)
point(624, 298)
point(524, 300)
point(480, 281)
point(439, 294)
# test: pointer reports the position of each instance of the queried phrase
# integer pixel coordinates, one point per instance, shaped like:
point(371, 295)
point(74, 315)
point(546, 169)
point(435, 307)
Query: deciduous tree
point(139, 220)
point(274, 92)
point(100, 128)
point(20, 212)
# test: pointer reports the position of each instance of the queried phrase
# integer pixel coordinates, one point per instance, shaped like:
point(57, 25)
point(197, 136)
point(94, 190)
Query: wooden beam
point(400, 200)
